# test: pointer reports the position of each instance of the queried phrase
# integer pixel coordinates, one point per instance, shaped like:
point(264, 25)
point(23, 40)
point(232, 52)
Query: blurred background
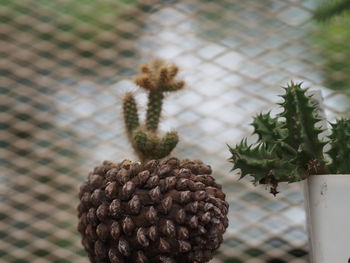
point(65, 64)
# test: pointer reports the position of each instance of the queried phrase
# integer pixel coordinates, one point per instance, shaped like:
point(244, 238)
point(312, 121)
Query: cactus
point(340, 147)
point(155, 210)
point(288, 148)
point(156, 78)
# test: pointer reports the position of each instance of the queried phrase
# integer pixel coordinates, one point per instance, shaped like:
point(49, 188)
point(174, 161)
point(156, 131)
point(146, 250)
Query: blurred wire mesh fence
point(64, 65)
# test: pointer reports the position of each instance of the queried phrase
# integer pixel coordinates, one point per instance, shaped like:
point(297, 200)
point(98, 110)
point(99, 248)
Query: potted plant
point(153, 210)
point(289, 149)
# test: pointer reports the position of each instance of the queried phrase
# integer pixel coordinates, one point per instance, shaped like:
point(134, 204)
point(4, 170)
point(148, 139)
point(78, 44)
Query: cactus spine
point(156, 78)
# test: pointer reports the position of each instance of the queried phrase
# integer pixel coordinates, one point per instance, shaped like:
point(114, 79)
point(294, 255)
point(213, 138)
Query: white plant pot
point(327, 202)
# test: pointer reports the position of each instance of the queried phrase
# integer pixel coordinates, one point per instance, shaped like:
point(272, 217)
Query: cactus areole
point(288, 148)
point(156, 210)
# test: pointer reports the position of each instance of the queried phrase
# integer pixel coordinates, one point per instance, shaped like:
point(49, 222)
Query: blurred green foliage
point(332, 38)
point(331, 8)
point(92, 12)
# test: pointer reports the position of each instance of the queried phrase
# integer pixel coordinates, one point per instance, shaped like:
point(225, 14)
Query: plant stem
point(154, 108)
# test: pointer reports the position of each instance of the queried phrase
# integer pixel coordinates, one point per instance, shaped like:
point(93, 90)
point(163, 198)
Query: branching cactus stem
point(156, 78)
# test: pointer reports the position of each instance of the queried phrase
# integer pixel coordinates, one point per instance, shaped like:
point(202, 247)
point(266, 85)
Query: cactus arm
point(268, 129)
point(260, 162)
point(272, 134)
point(300, 122)
point(168, 143)
point(251, 160)
point(150, 146)
point(290, 111)
point(131, 117)
point(340, 147)
point(140, 142)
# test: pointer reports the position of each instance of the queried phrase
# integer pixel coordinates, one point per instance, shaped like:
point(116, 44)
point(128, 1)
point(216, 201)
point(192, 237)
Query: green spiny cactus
point(156, 78)
point(288, 148)
point(340, 147)
point(300, 119)
point(131, 116)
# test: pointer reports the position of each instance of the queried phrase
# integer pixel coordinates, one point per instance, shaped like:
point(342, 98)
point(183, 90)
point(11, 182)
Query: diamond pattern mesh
point(65, 64)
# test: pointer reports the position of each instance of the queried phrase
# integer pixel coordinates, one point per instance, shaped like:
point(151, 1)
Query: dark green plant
point(156, 78)
point(329, 9)
point(330, 39)
point(288, 148)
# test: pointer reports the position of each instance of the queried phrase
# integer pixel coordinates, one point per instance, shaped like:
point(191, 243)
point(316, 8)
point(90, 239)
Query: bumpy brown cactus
point(155, 210)
point(167, 211)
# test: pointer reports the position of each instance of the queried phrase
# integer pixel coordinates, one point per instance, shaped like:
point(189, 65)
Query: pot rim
point(328, 175)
